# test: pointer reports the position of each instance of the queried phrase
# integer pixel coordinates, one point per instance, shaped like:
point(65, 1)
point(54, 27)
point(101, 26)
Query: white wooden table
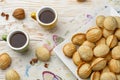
point(72, 15)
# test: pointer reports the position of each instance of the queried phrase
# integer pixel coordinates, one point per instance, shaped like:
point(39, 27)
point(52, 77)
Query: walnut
point(19, 13)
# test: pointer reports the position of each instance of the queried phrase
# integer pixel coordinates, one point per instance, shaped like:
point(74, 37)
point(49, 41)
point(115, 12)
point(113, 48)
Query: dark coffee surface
point(47, 16)
point(18, 40)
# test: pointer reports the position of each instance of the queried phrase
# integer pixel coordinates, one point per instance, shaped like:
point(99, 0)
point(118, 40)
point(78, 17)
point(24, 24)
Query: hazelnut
point(94, 34)
point(110, 23)
point(100, 20)
point(19, 13)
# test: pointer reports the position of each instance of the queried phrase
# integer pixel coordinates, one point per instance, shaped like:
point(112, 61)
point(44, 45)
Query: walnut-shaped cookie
point(94, 34)
point(101, 50)
point(69, 49)
point(110, 23)
point(98, 64)
point(78, 38)
point(86, 53)
point(84, 70)
point(76, 58)
point(100, 21)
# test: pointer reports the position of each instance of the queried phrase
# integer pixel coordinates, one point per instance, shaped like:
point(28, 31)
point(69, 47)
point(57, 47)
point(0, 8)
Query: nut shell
point(42, 53)
point(100, 21)
point(84, 70)
point(76, 58)
point(78, 39)
point(117, 34)
point(94, 34)
point(108, 76)
point(19, 13)
point(101, 50)
point(86, 53)
point(107, 33)
point(89, 44)
point(111, 41)
point(116, 52)
point(98, 64)
point(114, 66)
point(5, 61)
point(95, 76)
point(110, 23)
point(12, 75)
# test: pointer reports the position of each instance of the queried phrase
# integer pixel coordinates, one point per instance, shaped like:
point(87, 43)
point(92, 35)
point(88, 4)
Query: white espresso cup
point(18, 40)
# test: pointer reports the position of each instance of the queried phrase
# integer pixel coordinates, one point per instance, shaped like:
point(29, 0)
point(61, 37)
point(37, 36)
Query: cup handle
point(33, 15)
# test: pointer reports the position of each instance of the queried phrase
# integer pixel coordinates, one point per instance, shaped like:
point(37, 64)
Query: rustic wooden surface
point(71, 16)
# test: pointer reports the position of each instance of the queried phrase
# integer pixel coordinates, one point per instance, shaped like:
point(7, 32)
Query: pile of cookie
point(96, 53)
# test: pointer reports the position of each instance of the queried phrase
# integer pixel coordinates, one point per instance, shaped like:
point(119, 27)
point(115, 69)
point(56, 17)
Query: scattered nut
point(42, 54)
point(3, 14)
point(19, 13)
point(12, 75)
point(5, 61)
